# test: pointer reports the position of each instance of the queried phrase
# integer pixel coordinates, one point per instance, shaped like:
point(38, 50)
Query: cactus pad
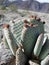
point(30, 35)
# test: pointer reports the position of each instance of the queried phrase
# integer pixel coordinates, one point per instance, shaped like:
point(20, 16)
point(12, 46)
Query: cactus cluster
point(29, 35)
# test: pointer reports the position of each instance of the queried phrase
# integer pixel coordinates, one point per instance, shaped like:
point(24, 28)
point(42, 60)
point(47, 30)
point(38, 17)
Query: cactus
point(32, 63)
point(21, 59)
point(45, 61)
point(9, 37)
point(5, 42)
point(38, 45)
point(26, 33)
point(29, 37)
point(30, 34)
point(16, 28)
point(44, 51)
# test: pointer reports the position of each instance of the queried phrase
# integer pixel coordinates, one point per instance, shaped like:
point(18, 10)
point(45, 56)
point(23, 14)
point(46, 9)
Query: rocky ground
point(6, 57)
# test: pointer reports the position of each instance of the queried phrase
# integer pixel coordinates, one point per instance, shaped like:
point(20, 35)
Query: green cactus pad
point(10, 40)
point(29, 38)
point(44, 51)
point(16, 29)
point(38, 45)
point(45, 61)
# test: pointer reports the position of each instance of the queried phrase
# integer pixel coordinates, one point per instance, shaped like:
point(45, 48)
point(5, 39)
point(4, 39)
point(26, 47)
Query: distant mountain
point(28, 4)
point(4, 2)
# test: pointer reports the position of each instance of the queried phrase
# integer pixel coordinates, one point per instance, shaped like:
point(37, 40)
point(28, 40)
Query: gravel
point(6, 57)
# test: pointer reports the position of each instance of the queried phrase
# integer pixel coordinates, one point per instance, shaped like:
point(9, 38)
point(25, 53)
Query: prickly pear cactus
point(40, 27)
point(38, 45)
point(32, 63)
point(16, 28)
point(45, 61)
point(5, 42)
point(29, 36)
point(45, 50)
point(10, 39)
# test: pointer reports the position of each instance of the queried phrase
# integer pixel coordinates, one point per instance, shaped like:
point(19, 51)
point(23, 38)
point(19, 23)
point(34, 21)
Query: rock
point(6, 57)
point(20, 57)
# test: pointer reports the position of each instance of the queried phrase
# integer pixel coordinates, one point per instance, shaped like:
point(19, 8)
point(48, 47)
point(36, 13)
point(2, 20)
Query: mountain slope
point(29, 4)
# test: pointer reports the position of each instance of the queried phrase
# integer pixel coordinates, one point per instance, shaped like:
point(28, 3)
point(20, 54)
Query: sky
point(37, 0)
point(43, 1)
